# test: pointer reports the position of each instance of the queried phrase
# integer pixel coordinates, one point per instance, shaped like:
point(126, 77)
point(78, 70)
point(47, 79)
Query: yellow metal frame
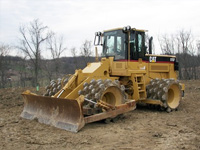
point(107, 68)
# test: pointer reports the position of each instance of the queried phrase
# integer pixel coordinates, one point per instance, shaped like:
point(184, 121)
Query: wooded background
point(34, 69)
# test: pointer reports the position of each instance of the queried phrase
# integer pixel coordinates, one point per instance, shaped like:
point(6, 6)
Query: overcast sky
point(78, 20)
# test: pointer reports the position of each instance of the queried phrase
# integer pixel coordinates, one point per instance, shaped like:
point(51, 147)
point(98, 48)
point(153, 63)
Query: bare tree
point(23, 72)
point(4, 51)
point(185, 46)
point(49, 70)
point(198, 58)
point(86, 51)
point(185, 41)
point(74, 54)
point(33, 36)
point(198, 48)
point(167, 44)
point(56, 46)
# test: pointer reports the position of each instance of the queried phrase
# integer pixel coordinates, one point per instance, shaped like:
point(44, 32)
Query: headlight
point(125, 29)
point(128, 28)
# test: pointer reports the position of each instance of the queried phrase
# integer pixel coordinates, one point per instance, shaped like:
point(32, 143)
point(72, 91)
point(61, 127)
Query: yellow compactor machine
point(128, 73)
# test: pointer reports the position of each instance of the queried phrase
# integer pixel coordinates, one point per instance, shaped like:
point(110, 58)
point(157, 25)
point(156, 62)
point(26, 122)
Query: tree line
point(33, 69)
point(187, 51)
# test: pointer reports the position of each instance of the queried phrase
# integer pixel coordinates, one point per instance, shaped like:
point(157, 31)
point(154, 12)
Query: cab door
point(137, 45)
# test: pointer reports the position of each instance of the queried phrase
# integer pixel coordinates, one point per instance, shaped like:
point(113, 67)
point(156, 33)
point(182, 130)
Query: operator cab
point(123, 43)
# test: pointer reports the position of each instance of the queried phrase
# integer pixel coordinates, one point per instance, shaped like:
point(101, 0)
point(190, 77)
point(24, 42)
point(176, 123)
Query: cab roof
point(140, 30)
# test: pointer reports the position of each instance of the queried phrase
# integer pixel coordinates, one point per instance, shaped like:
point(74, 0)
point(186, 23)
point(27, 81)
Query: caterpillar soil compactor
point(128, 73)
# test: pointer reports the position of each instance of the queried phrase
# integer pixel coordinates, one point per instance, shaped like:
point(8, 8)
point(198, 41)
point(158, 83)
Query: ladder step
point(140, 83)
point(138, 75)
point(141, 91)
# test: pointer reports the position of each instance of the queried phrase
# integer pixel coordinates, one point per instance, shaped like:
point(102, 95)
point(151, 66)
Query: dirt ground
point(142, 128)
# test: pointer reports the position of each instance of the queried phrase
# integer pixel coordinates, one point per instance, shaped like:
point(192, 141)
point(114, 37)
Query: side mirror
point(98, 39)
point(150, 45)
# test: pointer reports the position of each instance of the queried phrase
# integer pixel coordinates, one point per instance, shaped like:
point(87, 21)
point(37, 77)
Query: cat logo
point(152, 59)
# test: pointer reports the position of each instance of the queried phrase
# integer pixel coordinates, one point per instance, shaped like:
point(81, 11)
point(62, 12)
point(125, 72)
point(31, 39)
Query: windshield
point(115, 44)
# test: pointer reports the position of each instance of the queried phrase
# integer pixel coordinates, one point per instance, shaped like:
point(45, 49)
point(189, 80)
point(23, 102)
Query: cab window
point(136, 45)
point(115, 44)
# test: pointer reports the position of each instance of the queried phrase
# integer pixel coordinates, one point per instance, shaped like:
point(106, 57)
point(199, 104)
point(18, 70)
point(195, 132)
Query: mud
point(142, 128)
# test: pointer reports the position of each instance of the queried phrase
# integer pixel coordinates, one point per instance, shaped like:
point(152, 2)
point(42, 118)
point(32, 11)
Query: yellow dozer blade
point(61, 113)
point(65, 113)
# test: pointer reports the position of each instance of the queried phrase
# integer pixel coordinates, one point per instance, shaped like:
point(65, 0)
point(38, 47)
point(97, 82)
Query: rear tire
point(173, 95)
point(166, 90)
